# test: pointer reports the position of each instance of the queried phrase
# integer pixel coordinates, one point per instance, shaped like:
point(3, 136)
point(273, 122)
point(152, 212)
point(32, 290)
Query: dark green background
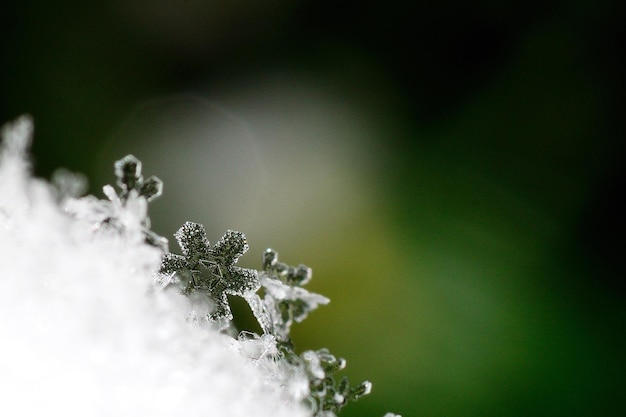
point(502, 184)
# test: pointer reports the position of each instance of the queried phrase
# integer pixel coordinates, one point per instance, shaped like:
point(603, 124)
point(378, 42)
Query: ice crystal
point(129, 178)
point(285, 302)
point(210, 271)
point(327, 395)
point(125, 212)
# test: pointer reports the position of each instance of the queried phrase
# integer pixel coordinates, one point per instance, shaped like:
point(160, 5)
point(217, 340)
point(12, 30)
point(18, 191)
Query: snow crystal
point(211, 270)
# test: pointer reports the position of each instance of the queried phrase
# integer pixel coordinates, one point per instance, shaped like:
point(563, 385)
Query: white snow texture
point(83, 332)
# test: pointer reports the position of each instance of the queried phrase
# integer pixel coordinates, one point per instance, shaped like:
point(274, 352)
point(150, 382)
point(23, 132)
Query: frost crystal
point(125, 212)
point(210, 271)
point(328, 396)
point(129, 178)
point(285, 302)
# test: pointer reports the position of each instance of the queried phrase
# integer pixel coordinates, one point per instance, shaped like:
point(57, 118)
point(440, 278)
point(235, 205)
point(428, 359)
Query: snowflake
point(125, 212)
point(211, 271)
point(285, 302)
point(328, 396)
point(129, 178)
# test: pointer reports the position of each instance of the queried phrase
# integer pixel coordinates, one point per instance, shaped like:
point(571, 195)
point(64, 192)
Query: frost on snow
point(90, 325)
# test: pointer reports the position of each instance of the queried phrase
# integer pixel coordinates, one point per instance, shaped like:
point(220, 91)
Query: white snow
point(83, 331)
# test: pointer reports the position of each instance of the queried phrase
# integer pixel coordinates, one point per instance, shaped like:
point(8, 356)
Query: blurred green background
point(453, 172)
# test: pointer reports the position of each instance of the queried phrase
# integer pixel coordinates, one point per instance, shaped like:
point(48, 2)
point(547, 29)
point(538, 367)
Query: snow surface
point(83, 331)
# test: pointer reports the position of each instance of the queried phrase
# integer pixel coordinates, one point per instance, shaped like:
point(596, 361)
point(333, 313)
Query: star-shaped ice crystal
point(211, 270)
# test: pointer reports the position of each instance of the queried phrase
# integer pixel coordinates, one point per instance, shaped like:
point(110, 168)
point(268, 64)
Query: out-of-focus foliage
point(480, 219)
